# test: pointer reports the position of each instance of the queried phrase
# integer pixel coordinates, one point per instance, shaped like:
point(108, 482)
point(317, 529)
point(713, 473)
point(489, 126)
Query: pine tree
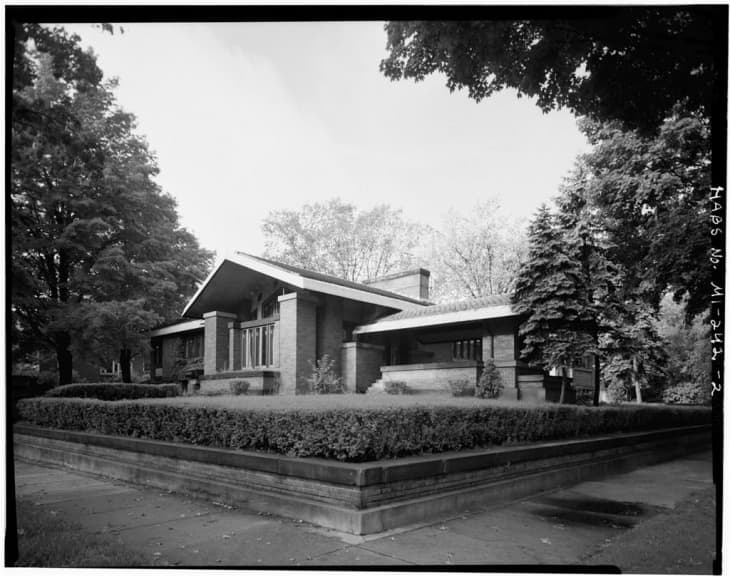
point(550, 293)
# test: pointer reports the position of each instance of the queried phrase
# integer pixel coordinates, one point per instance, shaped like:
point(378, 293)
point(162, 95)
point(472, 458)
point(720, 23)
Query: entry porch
point(427, 358)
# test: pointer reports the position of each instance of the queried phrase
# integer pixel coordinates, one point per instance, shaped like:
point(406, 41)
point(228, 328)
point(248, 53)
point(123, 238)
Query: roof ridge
point(301, 271)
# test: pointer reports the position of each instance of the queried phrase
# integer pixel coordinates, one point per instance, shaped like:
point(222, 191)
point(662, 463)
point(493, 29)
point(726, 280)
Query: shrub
point(461, 388)
point(211, 393)
point(323, 380)
point(239, 387)
point(114, 391)
point(47, 378)
point(489, 385)
point(687, 394)
point(352, 434)
point(396, 387)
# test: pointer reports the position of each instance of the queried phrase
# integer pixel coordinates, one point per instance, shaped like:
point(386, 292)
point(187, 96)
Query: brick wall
point(216, 341)
point(361, 364)
point(297, 340)
point(500, 340)
point(329, 329)
point(234, 346)
point(169, 354)
point(412, 283)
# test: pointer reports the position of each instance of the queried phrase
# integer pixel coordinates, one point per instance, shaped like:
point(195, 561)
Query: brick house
point(264, 321)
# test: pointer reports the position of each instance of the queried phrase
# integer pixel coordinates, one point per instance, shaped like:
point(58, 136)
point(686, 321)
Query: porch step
point(377, 387)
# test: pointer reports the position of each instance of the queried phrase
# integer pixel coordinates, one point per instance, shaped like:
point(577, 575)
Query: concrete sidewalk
point(581, 526)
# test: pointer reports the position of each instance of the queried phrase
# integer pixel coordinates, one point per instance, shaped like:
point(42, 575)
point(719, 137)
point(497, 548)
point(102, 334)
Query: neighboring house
point(266, 322)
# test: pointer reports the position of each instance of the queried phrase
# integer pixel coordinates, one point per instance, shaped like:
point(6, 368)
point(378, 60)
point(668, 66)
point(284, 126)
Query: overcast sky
point(246, 118)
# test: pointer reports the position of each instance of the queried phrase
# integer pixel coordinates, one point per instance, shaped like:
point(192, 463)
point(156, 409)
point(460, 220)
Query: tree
point(97, 253)
point(636, 357)
point(650, 194)
point(336, 238)
point(688, 346)
point(550, 293)
point(631, 64)
point(477, 254)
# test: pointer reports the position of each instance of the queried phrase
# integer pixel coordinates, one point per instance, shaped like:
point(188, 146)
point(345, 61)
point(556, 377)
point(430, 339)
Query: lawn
point(47, 540)
point(359, 401)
point(326, 402)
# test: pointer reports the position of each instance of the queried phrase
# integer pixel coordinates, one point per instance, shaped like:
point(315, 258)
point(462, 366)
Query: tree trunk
point(596, 380)
point(125, 365)
point(63, 356)
point(637, 384)
point(563, 385)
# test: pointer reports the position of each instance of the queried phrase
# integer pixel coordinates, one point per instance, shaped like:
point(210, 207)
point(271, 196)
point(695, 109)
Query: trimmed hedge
point(351, 434)
point(114, 391)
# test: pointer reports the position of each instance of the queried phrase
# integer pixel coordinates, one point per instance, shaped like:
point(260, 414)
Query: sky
point(246, 118)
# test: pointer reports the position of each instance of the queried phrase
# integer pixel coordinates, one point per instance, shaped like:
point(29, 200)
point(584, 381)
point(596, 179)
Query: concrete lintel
point(356, 345)
point(222, 314)
point(302, 296)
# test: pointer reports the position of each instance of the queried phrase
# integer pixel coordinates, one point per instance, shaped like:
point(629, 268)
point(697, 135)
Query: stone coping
point(358, 345)
point(369, 473)
point(254, 323)
point(240, 374)
point(431, 366)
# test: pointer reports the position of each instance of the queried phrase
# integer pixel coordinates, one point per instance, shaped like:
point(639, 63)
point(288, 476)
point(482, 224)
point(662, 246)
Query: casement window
point(270, 307)
point(467, 350)
point(257, 346)
point(193, 346)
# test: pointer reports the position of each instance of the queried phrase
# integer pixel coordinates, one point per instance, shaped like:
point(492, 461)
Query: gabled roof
point(489, 307)
point(308, 280)
point(179, 326)
point(335, 280)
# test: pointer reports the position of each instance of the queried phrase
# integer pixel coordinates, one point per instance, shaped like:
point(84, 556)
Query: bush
point(323, 380)
point(687, 394)
point(239, 387)
point(114, 391)
point(461, 388)
point(489, 385)
point(211, 393)
point(349, 434)
point(395, 387)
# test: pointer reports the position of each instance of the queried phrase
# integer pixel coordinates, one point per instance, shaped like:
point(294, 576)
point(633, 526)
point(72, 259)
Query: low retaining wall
point(359, 498)
point(262, 382)
point(433, 377)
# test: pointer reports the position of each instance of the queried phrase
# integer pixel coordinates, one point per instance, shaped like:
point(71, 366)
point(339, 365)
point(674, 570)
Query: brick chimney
point(411, 283)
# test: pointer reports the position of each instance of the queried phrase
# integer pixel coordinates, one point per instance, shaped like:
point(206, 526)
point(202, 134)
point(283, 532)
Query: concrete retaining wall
point(261, 382)
point(433, 377)
point(359, 498)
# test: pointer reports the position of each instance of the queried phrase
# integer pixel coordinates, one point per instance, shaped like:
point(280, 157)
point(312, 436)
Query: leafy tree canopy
point(650, 195)
point(631, 64)
point(476, 254)
point(336, 238)
point(97, 252)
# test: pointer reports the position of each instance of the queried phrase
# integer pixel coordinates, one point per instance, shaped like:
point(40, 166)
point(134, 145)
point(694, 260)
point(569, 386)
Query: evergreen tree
point(550, 293)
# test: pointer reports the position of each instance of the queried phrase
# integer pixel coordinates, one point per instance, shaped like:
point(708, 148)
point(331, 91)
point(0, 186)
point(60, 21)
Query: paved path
point(575, 526)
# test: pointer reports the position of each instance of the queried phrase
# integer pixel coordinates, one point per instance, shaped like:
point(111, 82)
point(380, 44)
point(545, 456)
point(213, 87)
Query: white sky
point(249, 117)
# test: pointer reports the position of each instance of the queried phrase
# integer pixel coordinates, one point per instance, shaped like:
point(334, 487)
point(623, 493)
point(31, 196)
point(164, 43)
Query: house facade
point(267, 322)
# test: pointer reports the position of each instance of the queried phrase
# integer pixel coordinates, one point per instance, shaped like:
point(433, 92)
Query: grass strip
point(47, 540)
